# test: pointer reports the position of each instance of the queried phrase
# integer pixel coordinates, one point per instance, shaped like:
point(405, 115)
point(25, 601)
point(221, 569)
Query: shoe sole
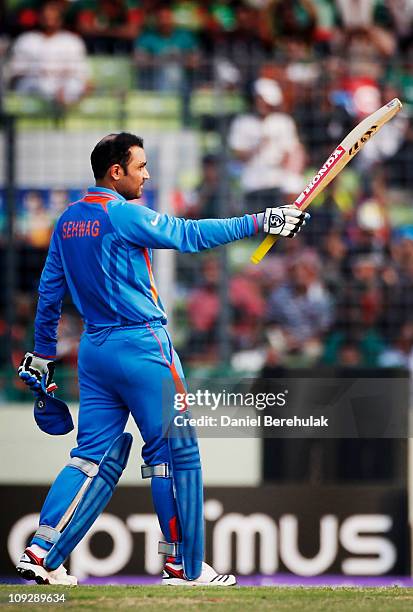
point(40, 576)
point(29, 574)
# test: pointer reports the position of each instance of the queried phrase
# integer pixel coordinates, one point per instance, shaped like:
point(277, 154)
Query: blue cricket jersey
point(101, 251)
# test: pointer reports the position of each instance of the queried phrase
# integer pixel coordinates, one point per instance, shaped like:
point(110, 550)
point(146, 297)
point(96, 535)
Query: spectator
point(50, 62)
point(359, 309)
point(248, 310)
point(399, 166)
point(402, 291)
point(325, 30)
point(361, 348)
point(350, 355)
point(356, 14)
point(367, 27)
point(222, 12)
point(372, 223)
point(245, 47)
point(21, 16)
point(402, 16)
point(204, 201)
point(108, 26)
point(293, 18)
point(165, 54)
point(362, 293)
point(302, 306)
point(335, 260)
point(321, 124)
point(401, 353)
point(388, 141)
point(370, 229)
point(189, 14)
point(203, 312)
point(267, 144)
point(402, 248)
point(393, 315)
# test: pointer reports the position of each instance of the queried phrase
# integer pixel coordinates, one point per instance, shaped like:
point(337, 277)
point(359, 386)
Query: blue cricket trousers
point(133, 370)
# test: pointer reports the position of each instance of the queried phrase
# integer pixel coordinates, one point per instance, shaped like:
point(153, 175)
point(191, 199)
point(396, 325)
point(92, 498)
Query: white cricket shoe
point(30, 567)
point(173, 575)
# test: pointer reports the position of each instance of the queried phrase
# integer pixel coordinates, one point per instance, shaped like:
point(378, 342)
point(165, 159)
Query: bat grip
point(263, 248)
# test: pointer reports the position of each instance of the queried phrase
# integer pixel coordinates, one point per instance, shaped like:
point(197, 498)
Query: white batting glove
point(284, 220)
point(32, 369)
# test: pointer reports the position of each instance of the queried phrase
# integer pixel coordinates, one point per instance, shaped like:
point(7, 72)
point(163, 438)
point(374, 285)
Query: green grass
point(236, 599)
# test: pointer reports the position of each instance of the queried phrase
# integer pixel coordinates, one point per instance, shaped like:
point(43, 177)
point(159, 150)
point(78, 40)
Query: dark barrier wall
point(371, 457)
point(351, 530)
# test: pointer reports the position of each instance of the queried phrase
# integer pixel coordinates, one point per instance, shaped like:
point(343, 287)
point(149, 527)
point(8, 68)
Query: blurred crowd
point(227, 26)
point(178, 43)
point(340, 294)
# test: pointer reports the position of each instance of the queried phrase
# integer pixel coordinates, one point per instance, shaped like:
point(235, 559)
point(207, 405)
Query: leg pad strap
point(84, 465)
point(158, 471)
point(172, 549)
point(49, 534)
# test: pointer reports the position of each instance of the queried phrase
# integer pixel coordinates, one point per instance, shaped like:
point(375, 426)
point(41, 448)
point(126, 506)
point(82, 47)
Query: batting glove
point(284, 220)
point(33, 369)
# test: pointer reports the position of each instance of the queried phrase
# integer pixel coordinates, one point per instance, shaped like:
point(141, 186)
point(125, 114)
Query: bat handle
point(263, 248)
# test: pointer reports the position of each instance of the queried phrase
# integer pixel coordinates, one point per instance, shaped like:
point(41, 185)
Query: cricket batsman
point(101, 252)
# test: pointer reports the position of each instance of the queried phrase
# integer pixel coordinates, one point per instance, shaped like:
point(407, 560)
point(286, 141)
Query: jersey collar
point(104, 191)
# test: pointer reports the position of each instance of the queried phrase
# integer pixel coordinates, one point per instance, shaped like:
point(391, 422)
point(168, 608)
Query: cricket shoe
point(30, 567)
point(173, 575)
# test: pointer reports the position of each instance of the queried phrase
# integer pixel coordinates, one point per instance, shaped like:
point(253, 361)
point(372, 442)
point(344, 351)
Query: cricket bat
point(339, 158)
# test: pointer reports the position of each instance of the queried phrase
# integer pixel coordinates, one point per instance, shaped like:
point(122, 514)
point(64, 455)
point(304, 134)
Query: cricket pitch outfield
point(303, 599)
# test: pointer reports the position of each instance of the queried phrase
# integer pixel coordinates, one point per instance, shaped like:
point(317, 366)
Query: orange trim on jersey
point(101, 199)
point(151, 278)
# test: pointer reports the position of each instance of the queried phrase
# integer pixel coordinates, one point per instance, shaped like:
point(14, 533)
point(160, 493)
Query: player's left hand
point(286, 220)
point(32, 369)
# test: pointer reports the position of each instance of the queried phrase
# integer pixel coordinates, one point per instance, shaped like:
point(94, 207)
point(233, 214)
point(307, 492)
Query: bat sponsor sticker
point(324, 170)
point(360, 142)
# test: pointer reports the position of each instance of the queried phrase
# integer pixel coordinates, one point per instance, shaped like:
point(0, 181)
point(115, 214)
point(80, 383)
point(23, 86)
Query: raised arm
point(141, 226)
